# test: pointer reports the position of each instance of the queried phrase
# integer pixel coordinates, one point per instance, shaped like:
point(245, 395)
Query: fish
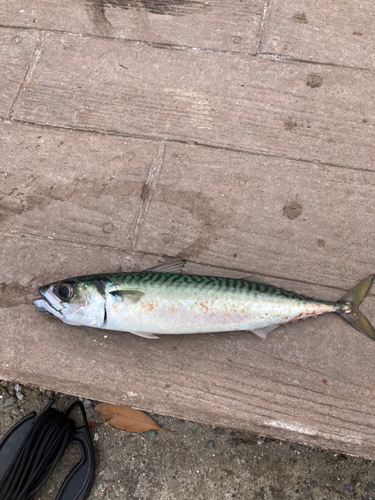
point(162, 300)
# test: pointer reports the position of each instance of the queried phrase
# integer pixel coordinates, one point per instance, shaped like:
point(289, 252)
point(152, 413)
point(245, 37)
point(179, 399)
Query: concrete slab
point(277, 108)
point(219, 25)
point(16, 51)
point(266, 215)
point(329, 32)
point(129, 177)
point(72, 186)
point(290, 386)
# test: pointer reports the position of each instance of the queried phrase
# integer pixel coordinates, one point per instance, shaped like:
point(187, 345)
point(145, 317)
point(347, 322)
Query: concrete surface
point(277, 108)
point(225, 133)
point(330, 32)
point(230, 25)
point(197, 461)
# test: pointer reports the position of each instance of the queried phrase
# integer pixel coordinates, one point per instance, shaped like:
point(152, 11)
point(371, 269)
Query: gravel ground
point(195, 461)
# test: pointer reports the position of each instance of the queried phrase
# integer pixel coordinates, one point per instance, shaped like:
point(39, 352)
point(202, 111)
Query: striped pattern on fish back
point(200, 282)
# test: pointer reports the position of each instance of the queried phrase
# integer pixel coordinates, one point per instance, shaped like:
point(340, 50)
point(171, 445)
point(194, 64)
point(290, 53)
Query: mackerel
point(161, 300)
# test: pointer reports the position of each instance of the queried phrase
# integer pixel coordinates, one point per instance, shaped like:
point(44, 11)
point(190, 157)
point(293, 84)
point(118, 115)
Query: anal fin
point(146, 335)
point(264, 331)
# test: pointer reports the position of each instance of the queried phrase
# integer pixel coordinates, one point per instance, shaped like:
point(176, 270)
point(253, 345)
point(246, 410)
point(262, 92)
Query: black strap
point(31, 449)
point(78, 484)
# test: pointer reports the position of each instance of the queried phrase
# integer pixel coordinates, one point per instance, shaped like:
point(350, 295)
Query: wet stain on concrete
point(292, 210)
point(96, 13)
point(167, 238)
point(79, 191)
point(314, 81)
point(108, 227)
point(300, 18)
point(15, 294)
point(237, 39)
point(321, 243)
point(277, 493)
point(210, 219)
point(8, 210)
point(289, 123)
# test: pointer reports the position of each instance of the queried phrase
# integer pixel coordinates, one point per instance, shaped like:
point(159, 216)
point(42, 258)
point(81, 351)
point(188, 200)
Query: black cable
point(44, 445)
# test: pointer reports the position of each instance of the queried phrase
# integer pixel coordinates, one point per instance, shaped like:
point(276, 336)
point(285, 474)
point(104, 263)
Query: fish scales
point(201, 304)
point(161, 300)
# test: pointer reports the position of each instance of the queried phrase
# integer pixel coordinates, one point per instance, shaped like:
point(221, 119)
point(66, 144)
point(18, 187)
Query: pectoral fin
point(132, 295)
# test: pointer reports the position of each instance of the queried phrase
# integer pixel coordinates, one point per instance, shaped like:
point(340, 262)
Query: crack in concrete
point(29, 72)
point(147, 190)
point(286, 58)
point(262, 25)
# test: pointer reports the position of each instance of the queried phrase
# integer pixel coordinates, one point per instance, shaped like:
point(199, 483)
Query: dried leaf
point(126, 419)
point(92, 425)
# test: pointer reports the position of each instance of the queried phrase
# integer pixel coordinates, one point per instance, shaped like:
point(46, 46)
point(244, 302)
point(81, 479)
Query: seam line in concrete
point(147, 190)
point(286, 58)
point(132, 41)
point(263, 25)
point(180, 141)
point(258, 54)
point(28, 75)
point(165, 256)
point(77, 244)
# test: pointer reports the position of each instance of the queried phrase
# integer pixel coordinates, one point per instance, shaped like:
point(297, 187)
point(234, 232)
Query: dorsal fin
point(168, 267)
point(255, 279)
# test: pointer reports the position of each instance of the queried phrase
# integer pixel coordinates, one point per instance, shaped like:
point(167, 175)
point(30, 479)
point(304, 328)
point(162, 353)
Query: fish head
point(74, 301)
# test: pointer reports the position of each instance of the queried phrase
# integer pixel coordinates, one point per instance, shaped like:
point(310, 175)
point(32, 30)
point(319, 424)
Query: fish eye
point(65, 291)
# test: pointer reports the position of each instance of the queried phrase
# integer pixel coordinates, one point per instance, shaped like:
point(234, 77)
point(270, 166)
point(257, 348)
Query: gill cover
point(75, 302)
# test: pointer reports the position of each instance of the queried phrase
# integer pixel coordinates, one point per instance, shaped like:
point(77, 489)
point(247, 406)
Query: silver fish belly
point(167, 311)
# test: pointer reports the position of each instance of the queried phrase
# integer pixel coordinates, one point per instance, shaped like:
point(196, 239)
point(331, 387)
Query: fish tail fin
point(354, 298)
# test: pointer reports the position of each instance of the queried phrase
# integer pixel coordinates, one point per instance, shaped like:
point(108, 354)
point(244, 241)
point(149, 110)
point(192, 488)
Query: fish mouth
point(39, 303)
point(43, 304)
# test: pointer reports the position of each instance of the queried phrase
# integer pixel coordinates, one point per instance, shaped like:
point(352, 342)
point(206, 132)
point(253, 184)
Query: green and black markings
point(199, 282)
